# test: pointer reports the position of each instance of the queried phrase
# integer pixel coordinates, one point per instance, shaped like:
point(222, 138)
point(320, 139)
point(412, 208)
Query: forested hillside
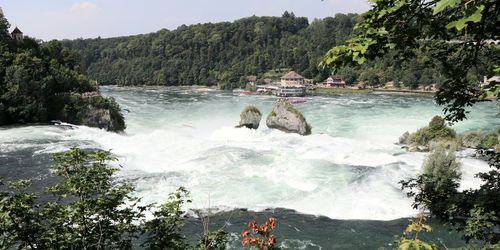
point(215, 53)
point(225, 53)
point(42, 82)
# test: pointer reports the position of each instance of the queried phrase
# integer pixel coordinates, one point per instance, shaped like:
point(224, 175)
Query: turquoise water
point(349, 168)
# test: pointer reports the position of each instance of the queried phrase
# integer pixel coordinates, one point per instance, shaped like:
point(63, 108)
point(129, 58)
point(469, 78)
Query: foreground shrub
point(474, 212)
point(260, 237)
point(89, 210)
point(441, 170)
point(416, 227)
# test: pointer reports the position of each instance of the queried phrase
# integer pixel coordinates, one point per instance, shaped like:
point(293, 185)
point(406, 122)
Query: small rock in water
point(403, 139)
point(250, 118)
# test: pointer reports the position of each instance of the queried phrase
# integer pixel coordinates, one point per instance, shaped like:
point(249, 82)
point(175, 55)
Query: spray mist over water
point(349, 168)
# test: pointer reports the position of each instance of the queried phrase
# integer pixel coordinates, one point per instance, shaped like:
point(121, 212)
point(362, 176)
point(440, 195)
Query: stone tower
point(17, 35)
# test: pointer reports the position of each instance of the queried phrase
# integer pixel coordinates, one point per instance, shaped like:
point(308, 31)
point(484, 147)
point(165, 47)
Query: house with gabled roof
point(334, 81)
point(292, 84)
point(292, 79)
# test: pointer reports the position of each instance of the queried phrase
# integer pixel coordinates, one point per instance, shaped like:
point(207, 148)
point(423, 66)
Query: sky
point(70, 19)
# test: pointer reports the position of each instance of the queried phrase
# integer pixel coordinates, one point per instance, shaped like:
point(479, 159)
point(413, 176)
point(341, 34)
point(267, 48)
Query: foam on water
point(349, 168)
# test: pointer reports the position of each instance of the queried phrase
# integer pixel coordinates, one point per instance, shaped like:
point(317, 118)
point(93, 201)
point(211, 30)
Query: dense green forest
point(214, 53)
point(224, 53)
point(44, 82)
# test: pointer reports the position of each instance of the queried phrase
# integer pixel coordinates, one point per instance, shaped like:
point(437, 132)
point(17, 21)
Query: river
point(348, 169)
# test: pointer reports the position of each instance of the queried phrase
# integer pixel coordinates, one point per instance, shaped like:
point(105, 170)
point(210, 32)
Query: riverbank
point(369, 91)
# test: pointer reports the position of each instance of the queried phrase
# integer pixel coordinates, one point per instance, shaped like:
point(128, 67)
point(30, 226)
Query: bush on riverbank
point(425, 138)
point(441, 170)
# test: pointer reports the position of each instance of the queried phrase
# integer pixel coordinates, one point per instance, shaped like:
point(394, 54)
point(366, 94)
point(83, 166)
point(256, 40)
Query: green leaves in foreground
point(462, 23)
point(453, 33)
point(443, 4)
point(88, 209)
point(416, 227)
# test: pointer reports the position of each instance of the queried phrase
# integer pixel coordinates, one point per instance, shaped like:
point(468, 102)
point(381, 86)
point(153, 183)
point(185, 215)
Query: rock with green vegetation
point(489, 141)
point(96, 118)
point(424, 138)
point(250, 118)
point(477, 140)
point(95, 111)
point(471, 139)
point(286, 118)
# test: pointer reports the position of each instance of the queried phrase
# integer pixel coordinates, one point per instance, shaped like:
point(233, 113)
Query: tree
point(89, 209)
point(370, 77)
point(475, 212)
point(4, 28)
point(453, 33)
point(44, 82)
point(219, 53)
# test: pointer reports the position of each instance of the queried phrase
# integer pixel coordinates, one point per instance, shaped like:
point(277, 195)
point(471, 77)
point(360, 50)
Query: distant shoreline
point(318, 91)
point(371, 91)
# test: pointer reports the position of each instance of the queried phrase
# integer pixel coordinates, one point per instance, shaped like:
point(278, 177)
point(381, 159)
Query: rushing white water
point(349, 168)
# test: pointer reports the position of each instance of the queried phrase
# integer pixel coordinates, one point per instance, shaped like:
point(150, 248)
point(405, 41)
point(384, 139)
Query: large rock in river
point(287, 119)
point(97, 117)
point(250, 118)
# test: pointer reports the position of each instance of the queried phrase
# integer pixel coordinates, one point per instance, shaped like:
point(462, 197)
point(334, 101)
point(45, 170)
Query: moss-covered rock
point(471, 139)
point(477, 140)
point(489, 141)
point(250, 117)
point(286, 118)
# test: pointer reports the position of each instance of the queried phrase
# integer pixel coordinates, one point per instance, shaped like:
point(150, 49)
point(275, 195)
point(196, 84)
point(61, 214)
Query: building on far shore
point(292, 79)
point(334, 81)
point(292, 84)
point(17, 35)
point(252, 79)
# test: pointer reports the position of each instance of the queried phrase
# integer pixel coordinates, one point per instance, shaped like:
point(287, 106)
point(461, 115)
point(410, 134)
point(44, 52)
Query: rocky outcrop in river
point(250, 118)
point(99, 118)
point(95, 111)
point(286, 118)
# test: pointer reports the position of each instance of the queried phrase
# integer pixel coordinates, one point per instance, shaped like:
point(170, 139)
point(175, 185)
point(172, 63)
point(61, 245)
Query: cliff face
point(96, 111)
